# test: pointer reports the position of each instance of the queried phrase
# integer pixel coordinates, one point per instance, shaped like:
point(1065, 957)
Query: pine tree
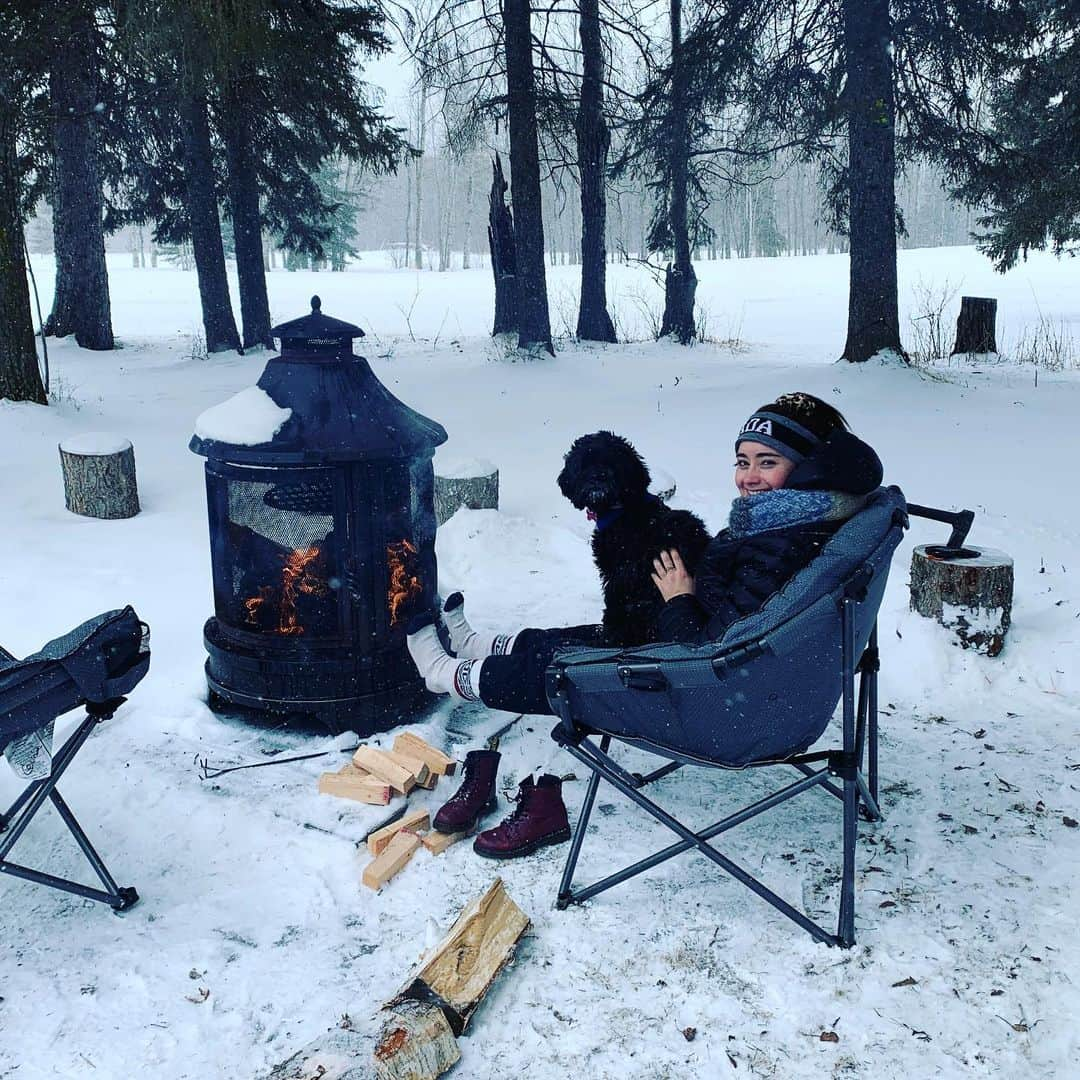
point(1024, 171)
point(23, 50)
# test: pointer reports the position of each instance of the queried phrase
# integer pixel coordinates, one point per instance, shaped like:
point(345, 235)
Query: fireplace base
point(311, 689)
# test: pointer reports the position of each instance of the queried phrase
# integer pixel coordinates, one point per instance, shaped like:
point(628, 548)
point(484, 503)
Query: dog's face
point(602, 471)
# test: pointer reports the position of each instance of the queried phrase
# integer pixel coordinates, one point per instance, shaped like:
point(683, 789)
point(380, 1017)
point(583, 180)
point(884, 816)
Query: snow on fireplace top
point(246, 419)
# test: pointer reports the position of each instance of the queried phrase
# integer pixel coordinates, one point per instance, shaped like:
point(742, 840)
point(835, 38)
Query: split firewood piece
point(413, 746)
point(357, 784)
point(380, 764)
point(419, 771)
point(479, 945)
point(437, 842)
point(431, 782)
point(415, 1043)
point(391, 860)
point(416, 820)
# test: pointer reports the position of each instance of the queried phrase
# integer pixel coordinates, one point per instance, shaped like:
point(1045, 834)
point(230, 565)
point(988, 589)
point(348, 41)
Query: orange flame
point(254, 604)
point(404, 585)
point(298, 577)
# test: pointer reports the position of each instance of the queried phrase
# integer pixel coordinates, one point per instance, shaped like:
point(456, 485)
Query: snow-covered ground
point(254, 934)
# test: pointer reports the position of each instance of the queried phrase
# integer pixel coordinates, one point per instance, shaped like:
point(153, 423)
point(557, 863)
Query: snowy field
point(254, 935)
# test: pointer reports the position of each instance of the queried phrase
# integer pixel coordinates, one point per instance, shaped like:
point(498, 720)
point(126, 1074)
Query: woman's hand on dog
point(670, 576)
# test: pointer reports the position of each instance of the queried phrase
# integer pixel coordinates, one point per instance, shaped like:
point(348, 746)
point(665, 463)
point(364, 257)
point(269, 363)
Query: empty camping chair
point(93, 666)
point(760, 696)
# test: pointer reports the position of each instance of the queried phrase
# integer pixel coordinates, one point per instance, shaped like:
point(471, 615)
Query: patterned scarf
point(787, 508)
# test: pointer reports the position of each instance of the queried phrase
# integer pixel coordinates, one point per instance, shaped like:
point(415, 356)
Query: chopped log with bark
point(413, 746)
point(451, 982)
point(99, 476)
point(415, 1043)
point(969, 592)
point(475, 492)
point(416, 821)
point(392, 859)
point(479, 945)
point(503, 252)
point(976, 326)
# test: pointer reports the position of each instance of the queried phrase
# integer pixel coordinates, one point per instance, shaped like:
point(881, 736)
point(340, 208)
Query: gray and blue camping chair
point(760, 696)
point(93, 666)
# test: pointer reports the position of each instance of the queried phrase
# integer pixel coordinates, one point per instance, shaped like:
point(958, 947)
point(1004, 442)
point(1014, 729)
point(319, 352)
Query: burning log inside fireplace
point(405, 585)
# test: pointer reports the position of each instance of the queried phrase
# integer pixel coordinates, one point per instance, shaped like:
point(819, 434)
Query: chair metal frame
point(13, 823)
point(838, 772)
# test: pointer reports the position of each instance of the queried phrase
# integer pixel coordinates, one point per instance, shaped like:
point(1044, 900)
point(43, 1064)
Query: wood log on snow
point(474, 485)
point(413, 746)
point(969, 591)
point(478, 946)
point(99, 476)
point(415, 1043)
point(451, 982)
point(380, 764)
point(976, 330)
point(391, 860)
point(416, 821)
point(350, 782)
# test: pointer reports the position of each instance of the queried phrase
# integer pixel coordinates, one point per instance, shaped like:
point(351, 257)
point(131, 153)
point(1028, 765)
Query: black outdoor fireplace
point(319, 487)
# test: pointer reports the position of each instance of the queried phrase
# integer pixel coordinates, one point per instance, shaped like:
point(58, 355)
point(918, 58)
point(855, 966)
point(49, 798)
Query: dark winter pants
point(515, 682)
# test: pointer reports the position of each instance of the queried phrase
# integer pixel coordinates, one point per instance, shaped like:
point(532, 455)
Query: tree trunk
point(503, 253)
point(81, 300)
point(202, 209)
point(594, 322)
point(467, 221)
point(873, 312)
point(680, 283)
point(534, 323)
point(418, 165)
point(976, 331)
point(20, 379)
point(247, 222)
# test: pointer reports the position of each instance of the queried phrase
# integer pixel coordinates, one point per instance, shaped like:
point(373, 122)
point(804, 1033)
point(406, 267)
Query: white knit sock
point(442, 673)
point(464, 640)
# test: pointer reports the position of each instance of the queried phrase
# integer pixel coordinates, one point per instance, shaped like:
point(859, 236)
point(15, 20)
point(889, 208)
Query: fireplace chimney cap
point(316, 332)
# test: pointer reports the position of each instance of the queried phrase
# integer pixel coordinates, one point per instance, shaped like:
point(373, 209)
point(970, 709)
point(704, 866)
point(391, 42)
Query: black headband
point(784, 435)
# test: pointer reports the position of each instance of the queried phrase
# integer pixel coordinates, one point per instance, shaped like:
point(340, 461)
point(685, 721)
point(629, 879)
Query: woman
point(800, 474)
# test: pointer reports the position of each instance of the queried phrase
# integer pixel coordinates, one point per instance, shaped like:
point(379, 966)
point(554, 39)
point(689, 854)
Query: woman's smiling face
point(760, 468)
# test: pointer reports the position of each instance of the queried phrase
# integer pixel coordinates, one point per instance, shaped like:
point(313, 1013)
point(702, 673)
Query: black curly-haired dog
point(606, 476)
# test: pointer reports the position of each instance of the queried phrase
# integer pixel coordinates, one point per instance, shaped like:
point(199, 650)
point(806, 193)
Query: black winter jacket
point(739, 573)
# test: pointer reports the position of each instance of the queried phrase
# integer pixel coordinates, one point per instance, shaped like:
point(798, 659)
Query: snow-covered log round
point(968, 590)
point(99, 475)
point(472, 484)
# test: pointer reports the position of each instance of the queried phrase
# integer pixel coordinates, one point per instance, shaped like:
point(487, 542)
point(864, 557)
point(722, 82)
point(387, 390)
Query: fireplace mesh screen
point(282, 558)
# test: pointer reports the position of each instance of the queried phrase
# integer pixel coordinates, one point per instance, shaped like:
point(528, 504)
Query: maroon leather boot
point(475, 797)
point(539, 819)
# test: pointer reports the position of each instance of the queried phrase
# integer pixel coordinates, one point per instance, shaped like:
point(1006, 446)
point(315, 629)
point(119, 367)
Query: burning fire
point(404, 585)
point(300, 576)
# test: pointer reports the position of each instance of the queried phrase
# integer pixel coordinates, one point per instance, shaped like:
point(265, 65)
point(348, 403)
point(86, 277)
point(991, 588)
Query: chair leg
point(563, 900)
point(846, 928)
point(27, 805)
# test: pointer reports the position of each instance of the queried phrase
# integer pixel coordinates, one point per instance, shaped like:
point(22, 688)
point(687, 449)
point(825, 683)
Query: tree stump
point(99, 475)
point(967, 590)
point(976, 326)
point(472, 484)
